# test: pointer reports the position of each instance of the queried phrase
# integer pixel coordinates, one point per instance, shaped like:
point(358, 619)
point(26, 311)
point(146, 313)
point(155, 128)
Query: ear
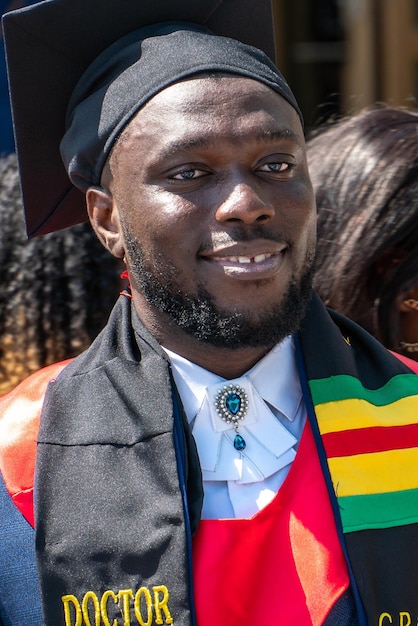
point(104, 218)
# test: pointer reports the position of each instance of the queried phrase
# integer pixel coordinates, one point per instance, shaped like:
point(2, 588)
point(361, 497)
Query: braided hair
point(56, 291)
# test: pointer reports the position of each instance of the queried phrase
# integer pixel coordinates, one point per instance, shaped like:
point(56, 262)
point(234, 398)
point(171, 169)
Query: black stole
point(112, 517)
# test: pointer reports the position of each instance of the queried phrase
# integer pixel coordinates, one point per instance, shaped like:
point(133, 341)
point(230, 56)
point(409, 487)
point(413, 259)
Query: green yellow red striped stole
point(363, 405)
point(371, 441)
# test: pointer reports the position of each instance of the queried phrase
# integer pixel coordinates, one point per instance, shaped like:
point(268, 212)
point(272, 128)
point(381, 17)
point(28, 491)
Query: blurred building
point(340, 55)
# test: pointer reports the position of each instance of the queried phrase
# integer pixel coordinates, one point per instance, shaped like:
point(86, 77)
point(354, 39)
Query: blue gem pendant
point(231, 404)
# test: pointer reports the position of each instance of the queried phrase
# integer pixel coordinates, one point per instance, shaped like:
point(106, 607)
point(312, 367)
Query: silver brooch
point(231, 404)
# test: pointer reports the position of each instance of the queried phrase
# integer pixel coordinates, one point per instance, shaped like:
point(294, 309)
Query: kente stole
point(363, 407)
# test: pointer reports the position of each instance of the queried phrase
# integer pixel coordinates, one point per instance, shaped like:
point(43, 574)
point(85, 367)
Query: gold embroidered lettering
point(103, 607)
point(67, 610)
point(161, 604)
point(406, 621)
point(149, 608)
point(125, 595)
point(90, 595)
point(147, 600)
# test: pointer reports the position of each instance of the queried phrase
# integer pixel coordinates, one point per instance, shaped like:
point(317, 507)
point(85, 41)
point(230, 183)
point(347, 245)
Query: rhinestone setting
point(231, 404)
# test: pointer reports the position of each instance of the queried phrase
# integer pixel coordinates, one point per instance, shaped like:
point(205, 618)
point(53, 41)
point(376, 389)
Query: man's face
point(216, 211)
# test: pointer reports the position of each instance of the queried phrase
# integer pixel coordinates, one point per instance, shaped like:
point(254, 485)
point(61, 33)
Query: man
point(189, 149)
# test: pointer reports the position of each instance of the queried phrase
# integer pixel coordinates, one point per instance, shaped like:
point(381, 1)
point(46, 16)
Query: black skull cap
point(69, 60)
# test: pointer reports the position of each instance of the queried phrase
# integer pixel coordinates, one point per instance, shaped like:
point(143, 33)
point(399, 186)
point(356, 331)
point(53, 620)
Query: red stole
point(283, 566)
point(20, 412)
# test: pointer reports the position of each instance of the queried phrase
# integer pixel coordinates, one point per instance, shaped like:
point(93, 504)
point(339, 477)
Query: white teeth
point(261, 257)
point(258, 258)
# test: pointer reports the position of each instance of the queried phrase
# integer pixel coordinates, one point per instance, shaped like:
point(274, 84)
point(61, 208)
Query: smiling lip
point(252, 260)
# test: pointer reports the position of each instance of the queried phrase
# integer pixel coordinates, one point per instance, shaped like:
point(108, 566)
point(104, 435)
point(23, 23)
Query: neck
point(226, 363)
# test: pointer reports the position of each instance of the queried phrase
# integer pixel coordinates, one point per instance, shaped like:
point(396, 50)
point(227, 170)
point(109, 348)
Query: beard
point(199, 316)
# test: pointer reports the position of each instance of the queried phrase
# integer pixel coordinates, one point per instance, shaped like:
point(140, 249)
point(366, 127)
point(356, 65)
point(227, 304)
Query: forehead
point(218, 105)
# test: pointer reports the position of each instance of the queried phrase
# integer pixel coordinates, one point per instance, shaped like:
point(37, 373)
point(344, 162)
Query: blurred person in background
point(364, 171)
point(56, 292)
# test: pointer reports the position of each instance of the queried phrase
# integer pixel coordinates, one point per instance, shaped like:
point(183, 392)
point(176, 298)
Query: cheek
point(166, 235)
point(170, 221)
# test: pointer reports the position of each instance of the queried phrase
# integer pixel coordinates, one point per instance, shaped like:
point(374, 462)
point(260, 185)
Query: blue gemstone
point(233, 403)
point(239, 443)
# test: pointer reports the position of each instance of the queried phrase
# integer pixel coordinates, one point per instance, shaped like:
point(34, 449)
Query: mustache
point(241, 234)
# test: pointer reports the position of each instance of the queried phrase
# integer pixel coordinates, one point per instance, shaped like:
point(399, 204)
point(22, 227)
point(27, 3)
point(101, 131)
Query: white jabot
point(269, 446)
point(240, 483)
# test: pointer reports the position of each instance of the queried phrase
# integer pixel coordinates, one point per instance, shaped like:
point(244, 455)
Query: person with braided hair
point(56, 292)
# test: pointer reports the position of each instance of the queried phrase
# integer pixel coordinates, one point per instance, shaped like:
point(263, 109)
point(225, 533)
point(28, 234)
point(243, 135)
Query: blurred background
point(338, 56)
point(341, 55)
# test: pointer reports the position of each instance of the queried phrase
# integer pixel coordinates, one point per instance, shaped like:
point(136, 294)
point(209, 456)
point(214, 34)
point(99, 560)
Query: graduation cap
point(50, 45)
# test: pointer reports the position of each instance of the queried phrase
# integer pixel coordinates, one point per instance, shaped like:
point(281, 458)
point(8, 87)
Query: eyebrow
point(277, 134)
point(266, 136)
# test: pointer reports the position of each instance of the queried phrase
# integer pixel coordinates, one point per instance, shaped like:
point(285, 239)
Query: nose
point(244, 203)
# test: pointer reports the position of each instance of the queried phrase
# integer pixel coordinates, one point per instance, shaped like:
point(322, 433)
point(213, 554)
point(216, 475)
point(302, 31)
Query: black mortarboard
point(49, 47)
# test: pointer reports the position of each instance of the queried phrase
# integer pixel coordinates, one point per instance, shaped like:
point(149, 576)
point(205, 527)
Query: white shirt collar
point(239, 483)
point(275, 378)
